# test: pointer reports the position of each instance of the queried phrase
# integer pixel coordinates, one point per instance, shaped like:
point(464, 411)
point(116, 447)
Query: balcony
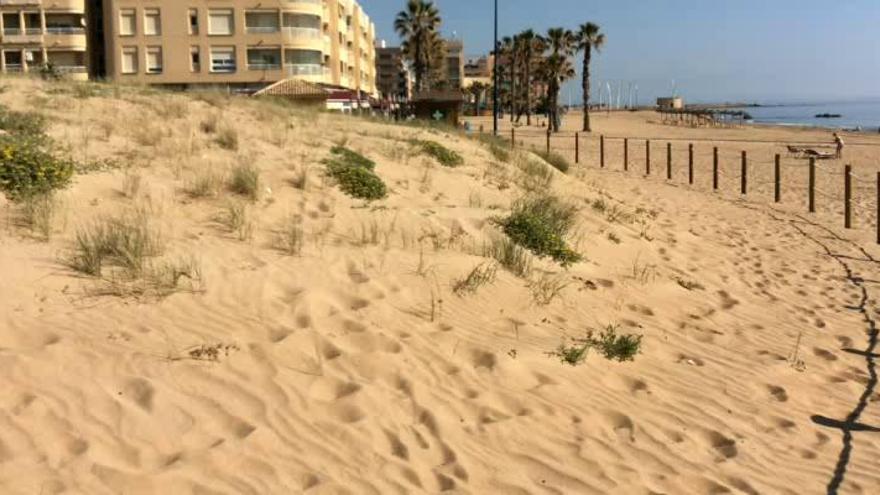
point(315, 7)
point(307, 70)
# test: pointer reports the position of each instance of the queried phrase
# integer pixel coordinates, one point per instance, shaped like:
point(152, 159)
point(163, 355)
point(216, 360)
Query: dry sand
point(353, 368)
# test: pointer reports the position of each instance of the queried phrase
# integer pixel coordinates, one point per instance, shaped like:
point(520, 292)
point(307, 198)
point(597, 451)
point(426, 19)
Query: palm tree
point(509, 49)
point(587, 39)
point(477, 89)
point(418, 25)
point(557, 69)
point(530, 45)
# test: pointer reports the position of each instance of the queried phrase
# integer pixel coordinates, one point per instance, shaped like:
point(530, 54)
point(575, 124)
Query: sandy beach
point(351, 367)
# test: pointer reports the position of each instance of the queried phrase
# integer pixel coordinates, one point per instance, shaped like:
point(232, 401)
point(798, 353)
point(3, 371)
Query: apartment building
point(393, 77)
point(478, 69)
point(36, 32)
point(239, 43)
point(454, 67)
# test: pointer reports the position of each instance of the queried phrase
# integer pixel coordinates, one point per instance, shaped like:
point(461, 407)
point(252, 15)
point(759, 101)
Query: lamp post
point(495, 77)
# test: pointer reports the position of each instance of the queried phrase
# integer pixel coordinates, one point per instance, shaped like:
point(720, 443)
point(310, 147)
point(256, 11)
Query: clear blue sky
point(715, 50)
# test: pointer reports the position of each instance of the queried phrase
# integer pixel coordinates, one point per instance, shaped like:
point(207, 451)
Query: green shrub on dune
point(354, 174)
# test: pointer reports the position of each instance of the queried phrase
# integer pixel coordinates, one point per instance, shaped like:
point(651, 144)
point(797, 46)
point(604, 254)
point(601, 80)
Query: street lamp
point(495, 76)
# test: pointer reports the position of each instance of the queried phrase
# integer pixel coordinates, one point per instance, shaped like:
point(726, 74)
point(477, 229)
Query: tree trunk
point(512, 86)
point(528, 89)
point(586, 88)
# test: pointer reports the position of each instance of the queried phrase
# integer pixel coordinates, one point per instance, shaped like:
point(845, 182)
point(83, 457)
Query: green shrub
point(443, 155)
point(354, 174)
point(555, 160)
point(357, 181)
point(245, 180)
point(540, 224)
point(612, 346)
point(27, 168)
point(352, 158)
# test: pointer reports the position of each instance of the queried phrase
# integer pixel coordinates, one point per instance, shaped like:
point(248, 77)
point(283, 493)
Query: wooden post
point(777, 179)
point(877, 218)
point(715, 168)
point(812, 186)
point(577, 148)
point(512, 137)
point(481, 129)
point(625, 154)
point(669, 161)
point(647, 157)
point(744, 175)
point(847, 197)
point(691, 163)
point(548, 140)
point(602, 151)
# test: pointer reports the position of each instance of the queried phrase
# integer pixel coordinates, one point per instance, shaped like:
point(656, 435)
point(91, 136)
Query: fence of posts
point(669, 161)
point(744, 174)
point(715, 168)
point(811, 189)
point(691, 163)
point(847, 197)
point(647, 157)
point(602, 151)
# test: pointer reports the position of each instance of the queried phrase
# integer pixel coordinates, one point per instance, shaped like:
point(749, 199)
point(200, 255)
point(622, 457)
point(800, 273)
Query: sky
point(763, 51)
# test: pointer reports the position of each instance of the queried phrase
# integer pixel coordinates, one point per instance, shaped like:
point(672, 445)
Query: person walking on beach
point(838, 141)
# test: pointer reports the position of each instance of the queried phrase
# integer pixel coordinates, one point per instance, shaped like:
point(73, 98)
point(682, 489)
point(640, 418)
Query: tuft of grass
point(38, 212)
point(499, 148)
point(236, 217)
point(612, 346)
point(535, 176)
point(124, 242)
point(301, 179)
point(245, 180)
point(227, 138)
point(512, 257)
point(614, 238)
point(555, 160)
point(210, 124)
point(289, 238)
point(541, 224)
point(204, 184)
point(443, 155)
point(131, 184)
point(547, 288)
point(354, 174)
point(482, 274)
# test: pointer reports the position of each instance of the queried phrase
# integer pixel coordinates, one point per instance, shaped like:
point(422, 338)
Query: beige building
point(242, 43)
point(245, 44)
point(34, 33)
point(393, 77)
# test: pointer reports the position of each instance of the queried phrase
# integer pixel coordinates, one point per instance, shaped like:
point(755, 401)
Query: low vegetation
point(499, 148)
point(123, 242)
point(541, 225)
point(236, 218)
point(608, 343)
point(38, 213)
point(354, 173)
point(509, 255)
point(547, 288)
point(289, 237)
point(482, 274)
point(227, 138)
point(443, 155)
point(28, 167)
point(555, 160)
point(245, 180)
point(535, 176)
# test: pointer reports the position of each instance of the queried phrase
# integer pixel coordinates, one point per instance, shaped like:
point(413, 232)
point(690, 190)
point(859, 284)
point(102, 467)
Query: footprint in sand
point(778, 393)
point(826, 355)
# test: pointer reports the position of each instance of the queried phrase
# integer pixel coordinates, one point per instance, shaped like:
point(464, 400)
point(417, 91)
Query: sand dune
point(354, 368)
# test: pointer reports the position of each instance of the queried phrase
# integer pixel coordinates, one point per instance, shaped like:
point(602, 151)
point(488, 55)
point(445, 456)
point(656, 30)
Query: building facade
point(393, 77)
point(454, 67)
point(239, 42)
point(245, 44)
point(478, 69)
point(34, 33)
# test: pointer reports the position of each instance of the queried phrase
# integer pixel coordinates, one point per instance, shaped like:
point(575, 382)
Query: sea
point(853, 115)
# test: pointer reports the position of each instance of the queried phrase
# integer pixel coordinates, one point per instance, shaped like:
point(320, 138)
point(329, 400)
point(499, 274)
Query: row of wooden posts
point(744, 168)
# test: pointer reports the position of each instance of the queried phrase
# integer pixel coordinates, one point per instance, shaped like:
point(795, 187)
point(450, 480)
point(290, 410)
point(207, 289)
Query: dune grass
point(541, 224)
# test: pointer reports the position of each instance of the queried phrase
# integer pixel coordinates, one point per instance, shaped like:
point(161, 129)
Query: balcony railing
point(312, 2)
point(11, 31)
point(264, 66)
point(261, 29)
point(14, 68)
point(65, 30)
point(307, 70)
point(302, 32)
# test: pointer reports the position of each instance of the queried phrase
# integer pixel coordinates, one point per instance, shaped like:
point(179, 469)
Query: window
point(220, 22)
point(193, 21)
point(127, 23)
point(129, 60)
point(195, 59)
point(152, 22)
point(154, 60)
point(223, 59)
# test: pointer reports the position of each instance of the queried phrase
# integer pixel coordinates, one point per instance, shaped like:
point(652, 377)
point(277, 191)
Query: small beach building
point(670, 103)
